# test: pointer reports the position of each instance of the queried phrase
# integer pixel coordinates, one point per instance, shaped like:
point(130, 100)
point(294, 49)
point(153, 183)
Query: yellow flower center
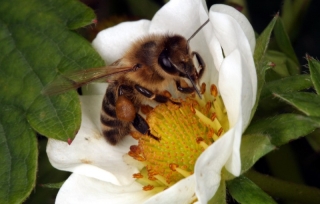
point(185, 131)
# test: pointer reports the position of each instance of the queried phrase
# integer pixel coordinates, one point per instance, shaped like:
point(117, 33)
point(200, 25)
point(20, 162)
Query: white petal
point(231, 36)
point(181, 192)
point(209, 164)
point(113, 42)
point(89, 150)
point(233, 165)
point(83, 190)
point(241, 19)
point(230, 85)
point(235, 87)
point(179, 17)
point(225, 151)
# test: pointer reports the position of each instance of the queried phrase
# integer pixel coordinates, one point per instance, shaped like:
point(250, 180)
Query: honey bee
point(143, 73)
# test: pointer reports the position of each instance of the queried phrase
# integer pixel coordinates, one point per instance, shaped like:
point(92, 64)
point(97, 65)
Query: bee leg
point(140, 124)
point(149, 94)
point(186, 90)
point(201, 63)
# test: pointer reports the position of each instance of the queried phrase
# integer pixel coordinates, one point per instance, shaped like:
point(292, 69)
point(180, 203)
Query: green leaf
point(280, 63)
point(36, 45)
point(283, 66)
point(260, 59)
point(268, 103)
point(244, 190)
point(18, 149)
point(314, 140)
point(314, 67)
point(253, 147)
point(286, 85)
point(283, 128)
point(308, 103)
point(293, 14)
point(284, 44)
point(291, 192)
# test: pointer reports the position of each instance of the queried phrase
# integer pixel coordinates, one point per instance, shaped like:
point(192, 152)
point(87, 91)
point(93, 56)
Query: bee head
point(175, 59)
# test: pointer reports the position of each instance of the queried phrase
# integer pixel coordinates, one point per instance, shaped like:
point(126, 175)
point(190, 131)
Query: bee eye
point(165, 63)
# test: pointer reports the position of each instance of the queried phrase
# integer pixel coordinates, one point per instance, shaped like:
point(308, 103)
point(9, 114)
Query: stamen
point(203, 88)
point(220, 131)
point(183, 138)
point(214, 124)
point(183, 172)
point(175, 167)
point(135, 149)
point(161, 179)
point(201, 142)
point(146, 109)
point(136, 135)
point(137, 176)
point(213, 90)
point(148, 188)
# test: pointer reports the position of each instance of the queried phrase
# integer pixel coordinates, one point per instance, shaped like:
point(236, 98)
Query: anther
point(208, 106)
point(146, 109)
point(203, 88)
point(136, 156)
point(137, 176)
point(199, 139)
point(220, 131)
point(213, 90)
point(135, 149)
point(213, 116)
point(210, 133)
point(201, 142)
point(192, 109)
point(173, 166)
point(136, 135)
point(148, 188)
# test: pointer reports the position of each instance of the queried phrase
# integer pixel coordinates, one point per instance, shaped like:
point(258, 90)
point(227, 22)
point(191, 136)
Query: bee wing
point(77, 79)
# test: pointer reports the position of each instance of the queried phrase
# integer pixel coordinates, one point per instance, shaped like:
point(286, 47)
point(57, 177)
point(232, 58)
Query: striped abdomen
point(113, 129)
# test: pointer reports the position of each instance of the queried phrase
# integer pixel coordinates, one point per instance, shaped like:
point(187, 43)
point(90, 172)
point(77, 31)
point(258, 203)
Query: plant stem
point(283, 189)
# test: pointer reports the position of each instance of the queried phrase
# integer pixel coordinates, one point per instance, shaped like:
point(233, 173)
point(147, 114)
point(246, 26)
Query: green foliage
point(314, 67)
point(253, 147)
point(283, 128)
point(284, 44)
point(37, 43)
point(245, 191)
point(18, 149)
point(282, 67)
point(260, 59)
point(269, 103)
point(286, 85)
point(308, 103)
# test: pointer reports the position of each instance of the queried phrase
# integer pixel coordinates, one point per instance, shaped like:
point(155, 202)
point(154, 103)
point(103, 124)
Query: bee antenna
point(205, 23)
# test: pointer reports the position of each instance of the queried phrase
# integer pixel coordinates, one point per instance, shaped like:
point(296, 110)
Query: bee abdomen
point(113, 129)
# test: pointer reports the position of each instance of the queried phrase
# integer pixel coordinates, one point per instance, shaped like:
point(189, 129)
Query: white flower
point(226, 44)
